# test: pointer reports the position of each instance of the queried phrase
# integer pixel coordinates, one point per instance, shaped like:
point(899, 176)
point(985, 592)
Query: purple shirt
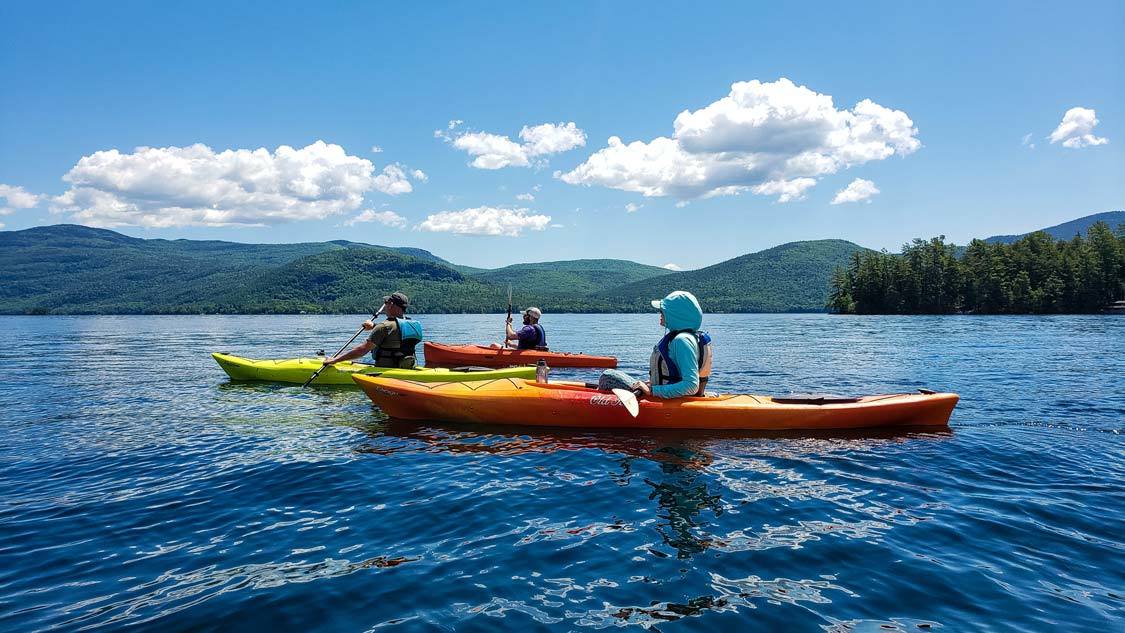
point(529, 338)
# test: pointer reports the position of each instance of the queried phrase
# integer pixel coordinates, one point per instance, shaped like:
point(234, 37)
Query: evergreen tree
point(1035, 274)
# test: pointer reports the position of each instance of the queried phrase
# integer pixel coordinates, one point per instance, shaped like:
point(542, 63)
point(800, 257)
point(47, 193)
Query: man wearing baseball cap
point(391, 342)
point(531, 335)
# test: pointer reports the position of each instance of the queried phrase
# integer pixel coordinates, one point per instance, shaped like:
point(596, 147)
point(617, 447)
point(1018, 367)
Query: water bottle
point(541, 370)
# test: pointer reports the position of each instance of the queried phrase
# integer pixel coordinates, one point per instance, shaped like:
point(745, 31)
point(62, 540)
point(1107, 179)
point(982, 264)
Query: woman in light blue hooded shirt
point(681, 362)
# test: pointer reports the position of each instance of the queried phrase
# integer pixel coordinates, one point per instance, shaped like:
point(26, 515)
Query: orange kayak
point(523, 402)
point(442, 355)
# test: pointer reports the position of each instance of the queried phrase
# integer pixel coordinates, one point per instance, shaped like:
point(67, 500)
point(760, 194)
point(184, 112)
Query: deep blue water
point(139, 488)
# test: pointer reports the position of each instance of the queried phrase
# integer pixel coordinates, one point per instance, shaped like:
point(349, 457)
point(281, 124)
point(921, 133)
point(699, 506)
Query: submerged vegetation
point(1035, 274)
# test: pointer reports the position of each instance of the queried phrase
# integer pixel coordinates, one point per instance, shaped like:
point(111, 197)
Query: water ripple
point(139, 488)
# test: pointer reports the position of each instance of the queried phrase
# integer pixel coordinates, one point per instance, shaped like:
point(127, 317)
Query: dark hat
point(397, 298)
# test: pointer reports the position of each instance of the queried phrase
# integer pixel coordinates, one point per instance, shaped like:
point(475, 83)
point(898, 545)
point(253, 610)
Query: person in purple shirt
point(531, 335)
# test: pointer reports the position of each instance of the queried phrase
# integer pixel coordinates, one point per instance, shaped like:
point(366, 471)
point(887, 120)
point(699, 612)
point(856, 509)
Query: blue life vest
point(410, 333)
point(664, 370)
point(540, 339)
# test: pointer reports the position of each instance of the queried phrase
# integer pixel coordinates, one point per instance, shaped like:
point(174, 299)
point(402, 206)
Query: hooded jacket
point(681, 312)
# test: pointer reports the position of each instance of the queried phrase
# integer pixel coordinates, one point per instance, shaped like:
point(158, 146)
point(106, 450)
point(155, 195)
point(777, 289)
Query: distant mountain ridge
point(69, 268)
point(792, 277)
point(1068, 230)
point(72, 269)
point(556, 282)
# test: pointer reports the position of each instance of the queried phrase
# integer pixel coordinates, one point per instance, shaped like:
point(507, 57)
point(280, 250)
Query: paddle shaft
point(342, 348)
point(509, 319)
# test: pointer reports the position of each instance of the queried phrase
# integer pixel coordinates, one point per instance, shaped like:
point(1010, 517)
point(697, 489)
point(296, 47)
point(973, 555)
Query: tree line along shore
point(1035, 274)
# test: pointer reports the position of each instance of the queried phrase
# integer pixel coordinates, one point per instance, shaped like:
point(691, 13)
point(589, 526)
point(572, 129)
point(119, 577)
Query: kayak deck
point(522, 402)
point(444, 355)
point(298, 370)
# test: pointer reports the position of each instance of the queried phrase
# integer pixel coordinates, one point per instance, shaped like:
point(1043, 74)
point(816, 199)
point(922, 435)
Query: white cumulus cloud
point(1077, 129)
point(393, 181)
point(671, 267)
point(632, 207)
point(494, 151)
point(486, 221)
point(551, 138)
point(856, 191)
point(785, 190)
point(770, 138)
point(195, 185)
point(375, 149)
point(419, 175)
point(16, 198)
point(386, 218)
point(527, 197)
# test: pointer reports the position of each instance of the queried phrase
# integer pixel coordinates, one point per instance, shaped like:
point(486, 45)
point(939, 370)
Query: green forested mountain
point(353, 281)
point(566, 280)
point(77, 269)
point(68, 269)
point(1067, 230)
point(788, 278)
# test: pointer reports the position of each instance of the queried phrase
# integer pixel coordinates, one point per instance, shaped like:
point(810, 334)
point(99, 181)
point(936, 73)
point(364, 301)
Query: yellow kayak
point(298, 370)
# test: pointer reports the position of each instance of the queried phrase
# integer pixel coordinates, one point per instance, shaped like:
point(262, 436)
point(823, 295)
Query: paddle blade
point(629, 399)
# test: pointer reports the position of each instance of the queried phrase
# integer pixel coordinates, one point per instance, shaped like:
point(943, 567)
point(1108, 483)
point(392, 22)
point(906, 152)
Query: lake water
point(138, 487)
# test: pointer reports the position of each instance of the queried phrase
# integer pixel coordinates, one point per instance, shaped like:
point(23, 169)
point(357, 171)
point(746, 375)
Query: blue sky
point(973, 81)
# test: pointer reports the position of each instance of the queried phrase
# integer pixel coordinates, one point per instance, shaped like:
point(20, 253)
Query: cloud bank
point(773, 138)
point(195, 185)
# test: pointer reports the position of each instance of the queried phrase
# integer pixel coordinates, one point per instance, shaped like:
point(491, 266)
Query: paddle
point(323, 367)
point(627, 398)
point(509, 316)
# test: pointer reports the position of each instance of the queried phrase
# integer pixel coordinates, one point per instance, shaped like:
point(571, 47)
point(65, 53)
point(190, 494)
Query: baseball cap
point(534, 312)
point(397, 298)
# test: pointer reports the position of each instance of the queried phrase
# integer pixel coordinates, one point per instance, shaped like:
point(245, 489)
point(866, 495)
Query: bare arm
point(355, 352)
point(511, 334)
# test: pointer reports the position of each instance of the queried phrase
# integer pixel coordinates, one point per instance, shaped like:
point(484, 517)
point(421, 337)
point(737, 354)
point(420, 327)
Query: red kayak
point(441, 355)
